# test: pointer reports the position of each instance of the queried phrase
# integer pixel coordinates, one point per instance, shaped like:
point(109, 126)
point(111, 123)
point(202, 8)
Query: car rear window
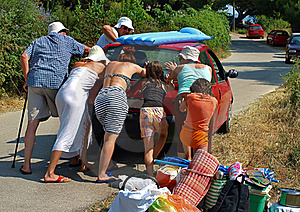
point(282, 34)
point(255, 27)
point(143, 54)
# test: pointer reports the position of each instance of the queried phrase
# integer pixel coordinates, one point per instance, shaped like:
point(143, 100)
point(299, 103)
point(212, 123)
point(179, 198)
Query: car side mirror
point(232, 73)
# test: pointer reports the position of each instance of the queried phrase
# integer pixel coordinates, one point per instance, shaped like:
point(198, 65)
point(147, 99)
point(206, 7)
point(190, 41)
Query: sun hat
point(96, 54)
point(56, 27)
point(189, 53)
point(125, 22)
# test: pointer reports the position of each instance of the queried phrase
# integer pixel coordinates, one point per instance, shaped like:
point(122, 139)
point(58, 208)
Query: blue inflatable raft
point(186, 34)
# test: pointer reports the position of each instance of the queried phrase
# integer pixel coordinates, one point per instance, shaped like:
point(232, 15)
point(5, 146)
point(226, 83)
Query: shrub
point(86, 25)
point(206, 20)
point(292, 84)
point(271, 23)
point(21, 22)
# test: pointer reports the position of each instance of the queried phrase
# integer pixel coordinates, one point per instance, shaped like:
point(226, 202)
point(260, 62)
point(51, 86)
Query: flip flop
point(107, 180)
point(60, 179)
point(23, 172)
point(109, 174)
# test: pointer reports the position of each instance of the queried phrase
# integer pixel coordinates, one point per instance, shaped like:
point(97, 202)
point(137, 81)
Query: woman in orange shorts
point(200, 105)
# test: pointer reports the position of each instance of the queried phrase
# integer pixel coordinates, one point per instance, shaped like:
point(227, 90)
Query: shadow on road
point(128, 162)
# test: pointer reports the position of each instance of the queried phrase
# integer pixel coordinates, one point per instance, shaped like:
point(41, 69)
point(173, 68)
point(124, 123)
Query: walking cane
point(20, 129)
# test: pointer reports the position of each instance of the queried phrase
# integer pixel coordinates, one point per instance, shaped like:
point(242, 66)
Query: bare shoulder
point(201, 66)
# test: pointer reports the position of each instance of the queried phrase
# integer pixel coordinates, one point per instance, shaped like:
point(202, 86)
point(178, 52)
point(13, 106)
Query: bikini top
point(125, 78)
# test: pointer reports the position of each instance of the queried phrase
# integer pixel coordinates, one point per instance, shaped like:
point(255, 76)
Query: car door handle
point(220, 95)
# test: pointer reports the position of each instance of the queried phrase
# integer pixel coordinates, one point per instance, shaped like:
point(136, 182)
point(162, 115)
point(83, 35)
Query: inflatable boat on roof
point(186, 34)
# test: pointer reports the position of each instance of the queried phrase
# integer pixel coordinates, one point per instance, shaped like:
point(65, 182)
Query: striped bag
point(213, 193)
point(197, 178)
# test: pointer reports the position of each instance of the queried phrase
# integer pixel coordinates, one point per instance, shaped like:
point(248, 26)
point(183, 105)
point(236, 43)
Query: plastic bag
point(136, 201)
point(172, 203)
point(166, 176)
point(134, 183)
point(162, 204)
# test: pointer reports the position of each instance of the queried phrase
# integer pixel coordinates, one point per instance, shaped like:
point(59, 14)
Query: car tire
point(225, 127)
point(287, 60)
point(268, 42)
point(272, 43)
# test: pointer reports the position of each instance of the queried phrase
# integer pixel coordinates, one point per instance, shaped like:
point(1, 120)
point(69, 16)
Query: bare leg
point(179, 121)
point(187, 152)
point(148, 155)
point(75, 160)
point(29, 143)
point(160, 142)
point(84, 162)
point(106, 153)
point(50, 176)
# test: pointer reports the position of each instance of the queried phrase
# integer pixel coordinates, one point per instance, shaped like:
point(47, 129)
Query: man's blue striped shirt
point(49, 59)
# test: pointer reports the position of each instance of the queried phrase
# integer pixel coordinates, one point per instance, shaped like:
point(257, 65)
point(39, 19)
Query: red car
point(163, 53)
point(255, 31)
point(277, 37)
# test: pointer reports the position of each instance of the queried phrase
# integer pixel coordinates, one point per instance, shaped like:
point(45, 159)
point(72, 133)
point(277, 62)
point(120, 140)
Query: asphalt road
point(259, 66)
point(259, 69)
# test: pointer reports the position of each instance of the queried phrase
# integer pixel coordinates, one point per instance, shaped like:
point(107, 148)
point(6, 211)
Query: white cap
point(125, 22)
point(96, 54)
point(56, 27)
point(190, 53)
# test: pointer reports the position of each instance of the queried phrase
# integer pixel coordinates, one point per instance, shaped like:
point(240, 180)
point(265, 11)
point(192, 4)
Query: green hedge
point(22, 21)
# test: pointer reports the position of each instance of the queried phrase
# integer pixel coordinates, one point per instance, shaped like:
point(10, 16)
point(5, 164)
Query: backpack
point(234, 197)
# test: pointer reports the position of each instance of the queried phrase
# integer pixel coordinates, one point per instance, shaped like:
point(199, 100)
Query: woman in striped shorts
point(111, 106)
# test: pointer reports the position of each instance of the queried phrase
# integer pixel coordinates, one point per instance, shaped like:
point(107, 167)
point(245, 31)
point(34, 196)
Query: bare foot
point(56, 179)
point(85, 168)
point(25, 169)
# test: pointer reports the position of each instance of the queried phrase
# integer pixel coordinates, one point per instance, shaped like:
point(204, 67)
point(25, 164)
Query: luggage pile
point(198, 185)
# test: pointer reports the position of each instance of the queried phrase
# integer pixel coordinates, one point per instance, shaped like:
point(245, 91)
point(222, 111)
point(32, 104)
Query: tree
point(288, 10)
point(245, 7)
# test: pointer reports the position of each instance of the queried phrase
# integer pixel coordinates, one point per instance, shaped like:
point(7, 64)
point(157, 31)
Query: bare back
point(121, 68)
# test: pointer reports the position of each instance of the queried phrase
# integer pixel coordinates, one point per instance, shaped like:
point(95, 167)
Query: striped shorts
point(152, 119)
point(111, 108)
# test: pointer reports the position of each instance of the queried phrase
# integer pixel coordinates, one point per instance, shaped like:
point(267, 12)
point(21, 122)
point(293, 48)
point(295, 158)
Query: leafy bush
point(206, 20)
point(271, 23)
point(21, 22)
point(86, 25)
point(292, 84)
point(242, 31)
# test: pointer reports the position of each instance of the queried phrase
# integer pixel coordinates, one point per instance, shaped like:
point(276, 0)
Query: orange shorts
point(193, 138)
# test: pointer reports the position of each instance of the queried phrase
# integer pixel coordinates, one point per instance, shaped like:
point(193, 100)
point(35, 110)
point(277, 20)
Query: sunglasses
point(126, 28)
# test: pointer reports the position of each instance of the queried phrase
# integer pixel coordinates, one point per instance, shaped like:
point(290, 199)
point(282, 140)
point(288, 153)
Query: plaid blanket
point(197, 178)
